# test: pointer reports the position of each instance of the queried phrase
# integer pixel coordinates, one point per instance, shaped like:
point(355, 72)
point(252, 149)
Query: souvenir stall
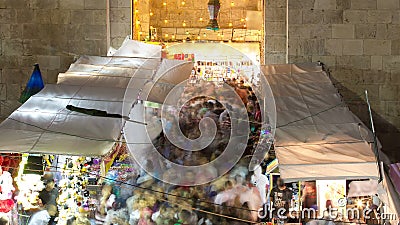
point(8, 170)
point(218, 63)
point(320, 142)
point(115, 190)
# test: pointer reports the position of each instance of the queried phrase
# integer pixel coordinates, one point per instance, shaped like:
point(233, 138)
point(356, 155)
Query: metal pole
point(375, 145)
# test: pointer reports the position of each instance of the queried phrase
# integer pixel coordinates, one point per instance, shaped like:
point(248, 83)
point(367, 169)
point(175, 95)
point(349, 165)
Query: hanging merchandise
point(6, 190)
point(74, 199)
point(29, 186)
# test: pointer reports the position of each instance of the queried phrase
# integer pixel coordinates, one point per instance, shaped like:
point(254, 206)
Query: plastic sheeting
point(44, 125)
point(317, 136)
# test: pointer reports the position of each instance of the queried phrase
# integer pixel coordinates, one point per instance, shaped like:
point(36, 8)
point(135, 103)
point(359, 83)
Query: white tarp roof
point(44, 125)
point(317, 136)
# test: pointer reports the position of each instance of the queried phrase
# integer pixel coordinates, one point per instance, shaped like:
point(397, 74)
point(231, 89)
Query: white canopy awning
point(44, 125)
point(317, 136)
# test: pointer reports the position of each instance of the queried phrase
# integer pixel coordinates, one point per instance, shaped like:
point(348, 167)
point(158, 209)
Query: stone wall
point(359, 40)
point(275, 31)
point(120, 21)
point(48, 32)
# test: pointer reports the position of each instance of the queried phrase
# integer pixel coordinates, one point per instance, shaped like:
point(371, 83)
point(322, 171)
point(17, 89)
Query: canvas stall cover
point(44, 125)
point(317, 136)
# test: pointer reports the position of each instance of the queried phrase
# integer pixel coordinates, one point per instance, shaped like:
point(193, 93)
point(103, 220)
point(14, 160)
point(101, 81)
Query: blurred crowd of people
point(233, 195)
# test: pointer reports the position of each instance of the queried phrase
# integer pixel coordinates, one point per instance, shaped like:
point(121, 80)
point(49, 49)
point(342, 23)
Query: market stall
point(318, 138)
point(104, 186)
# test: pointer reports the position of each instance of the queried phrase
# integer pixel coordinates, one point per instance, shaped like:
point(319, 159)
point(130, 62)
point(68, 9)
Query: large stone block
point(301, 30)
point(318, 31)
point(3, 92)
point(35, 47)
point(393, 31)
point(8, 16)
point(275, 58)
point(313, 16)
point(120, 15)
point(314, 47)
point(125, 3)
point(9, 106)
point(49, 62)
point(343, 31)
point(382, 31)
point(87, 47)
point(17, 4)
point(16, 31)
point(346, 75)
point(65, 62)
point(299, 59)
point(44, 4)
point(60, 16)
point(391, 63)
point(355, 16)
point(295, 16)
point(99, 17)
point(114, 3)
point(389, 92)
point(278, 28)
point(396, 17)
point(377, 47)
point(334, 47)
point(352, 47)
point(25, 15)
point(50, 76)
point(3, 4)
point(274, 14)
point(329, 61)
point(376, 62)
point(388, 4)
point(12, 47)
point(300, 4)
point(42, 16)
point(355, 62)
point(15, 76)
point(32, 31)
point(9, 62)
point(278, 3)
point(325, 4)
point(396, 47)
point(14, 91)
point(379, 16)
point(343, 4)
point(374, 76)
point(276, 44)
point(395, 77)
point(82, 17)
point(363, 4)
point(28, 60)
point(95, 32)
point(95, 4)
point(120, 30)
point(116, 42)
point(296, 46)
point(393, 109)
point(333, 17)
point(388, 31)
point(5, 31)
point(72, 4)
point(365, 31)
